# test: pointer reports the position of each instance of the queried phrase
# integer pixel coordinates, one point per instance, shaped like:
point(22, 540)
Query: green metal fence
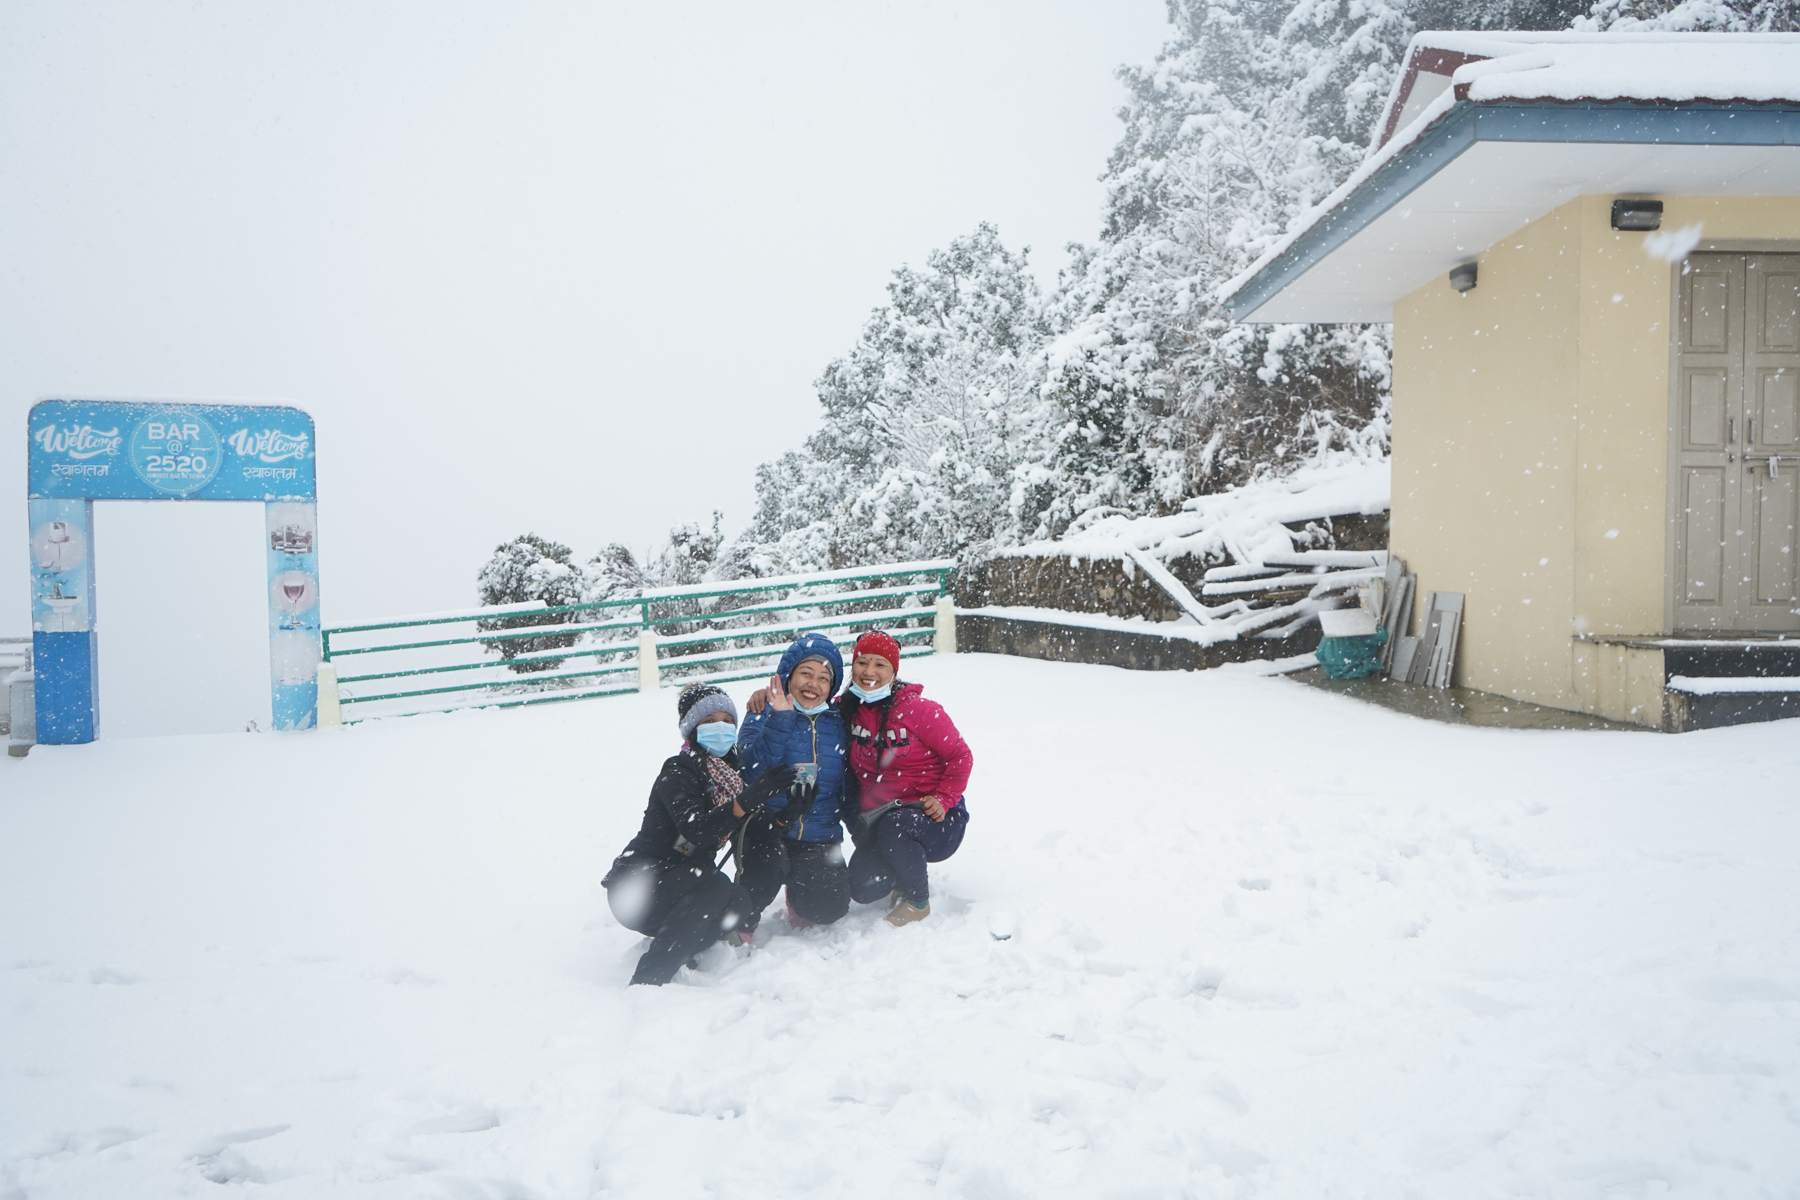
point(714, 632)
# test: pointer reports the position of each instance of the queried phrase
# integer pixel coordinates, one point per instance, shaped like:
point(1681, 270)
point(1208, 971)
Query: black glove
point(800, 801)
point(770, 783)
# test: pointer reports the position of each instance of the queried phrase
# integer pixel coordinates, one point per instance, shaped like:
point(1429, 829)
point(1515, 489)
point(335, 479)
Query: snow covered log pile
point(1282, 593)
point(1259, 559)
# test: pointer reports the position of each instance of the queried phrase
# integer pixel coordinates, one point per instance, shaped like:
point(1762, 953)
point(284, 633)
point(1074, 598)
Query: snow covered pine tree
point(1250, 115)
point(928, 421)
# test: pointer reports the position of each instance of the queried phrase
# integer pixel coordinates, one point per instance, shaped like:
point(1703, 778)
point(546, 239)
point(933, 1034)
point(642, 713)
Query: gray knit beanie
point(699, 701)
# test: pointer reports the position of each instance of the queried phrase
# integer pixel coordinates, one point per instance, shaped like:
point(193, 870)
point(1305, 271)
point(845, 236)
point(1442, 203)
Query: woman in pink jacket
point(911, 767)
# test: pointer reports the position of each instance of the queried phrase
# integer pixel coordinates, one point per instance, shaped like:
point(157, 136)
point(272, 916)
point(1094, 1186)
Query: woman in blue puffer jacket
point(797, 724)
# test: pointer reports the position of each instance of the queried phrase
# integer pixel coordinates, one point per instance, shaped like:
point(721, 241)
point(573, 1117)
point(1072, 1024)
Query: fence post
point(22, 722)
point(648, 679)
point(331, 712)
point(943, 639)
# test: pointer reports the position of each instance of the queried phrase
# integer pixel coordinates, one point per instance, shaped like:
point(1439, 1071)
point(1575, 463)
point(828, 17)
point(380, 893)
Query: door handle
point(1730, 431)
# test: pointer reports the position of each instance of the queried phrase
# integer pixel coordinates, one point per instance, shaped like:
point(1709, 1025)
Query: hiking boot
point(906, 912)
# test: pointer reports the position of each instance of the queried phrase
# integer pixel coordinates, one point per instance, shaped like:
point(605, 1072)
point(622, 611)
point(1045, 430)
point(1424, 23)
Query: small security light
point(1637, 216)
point(1463, 278)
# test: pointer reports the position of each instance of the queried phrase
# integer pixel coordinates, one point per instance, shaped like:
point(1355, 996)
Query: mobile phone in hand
point(806, 775)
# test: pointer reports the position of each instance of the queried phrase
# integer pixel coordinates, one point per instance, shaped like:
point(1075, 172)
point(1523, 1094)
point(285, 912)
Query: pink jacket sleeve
point(940, 736)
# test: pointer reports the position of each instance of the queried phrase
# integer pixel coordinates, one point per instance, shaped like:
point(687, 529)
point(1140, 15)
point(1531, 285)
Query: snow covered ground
point(1258, 941)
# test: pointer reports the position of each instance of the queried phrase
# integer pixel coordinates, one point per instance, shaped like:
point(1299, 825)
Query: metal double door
point(1736, 481)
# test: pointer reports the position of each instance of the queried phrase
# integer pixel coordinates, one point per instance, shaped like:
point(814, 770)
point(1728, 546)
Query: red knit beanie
point(877, 642)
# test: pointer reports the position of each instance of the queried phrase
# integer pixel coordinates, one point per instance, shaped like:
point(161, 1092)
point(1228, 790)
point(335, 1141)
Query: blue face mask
point(717, 736)
point(812, 712)
point(873, 697)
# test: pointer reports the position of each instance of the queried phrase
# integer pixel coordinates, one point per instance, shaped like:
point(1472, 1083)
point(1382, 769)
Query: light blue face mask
point(717, 736)
point(812, 712)
point(872, 697)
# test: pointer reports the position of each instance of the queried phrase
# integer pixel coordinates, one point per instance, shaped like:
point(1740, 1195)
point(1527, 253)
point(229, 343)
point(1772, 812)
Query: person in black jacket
point(665, 884)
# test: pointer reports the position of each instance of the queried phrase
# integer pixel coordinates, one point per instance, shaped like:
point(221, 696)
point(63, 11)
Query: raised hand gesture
point(778, 697)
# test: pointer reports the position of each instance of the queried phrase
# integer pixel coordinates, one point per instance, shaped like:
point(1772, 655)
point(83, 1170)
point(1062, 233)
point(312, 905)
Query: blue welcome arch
point(88, 450)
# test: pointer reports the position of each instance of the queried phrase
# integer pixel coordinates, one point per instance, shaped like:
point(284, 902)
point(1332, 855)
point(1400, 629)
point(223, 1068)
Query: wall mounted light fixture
point(1463, 278)
point(1637, 216)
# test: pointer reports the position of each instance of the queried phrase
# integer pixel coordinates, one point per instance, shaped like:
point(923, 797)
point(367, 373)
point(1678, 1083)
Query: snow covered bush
point(687, 557)
point(524, 569)
point(690, 555)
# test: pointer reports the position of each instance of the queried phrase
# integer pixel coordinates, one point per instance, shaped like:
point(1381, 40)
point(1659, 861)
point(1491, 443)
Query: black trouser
point(818, 882)
point(894, 857)
point(686, 907)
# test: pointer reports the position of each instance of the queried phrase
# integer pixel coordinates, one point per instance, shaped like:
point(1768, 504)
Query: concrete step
point(1729, 659)
point(1711, 701)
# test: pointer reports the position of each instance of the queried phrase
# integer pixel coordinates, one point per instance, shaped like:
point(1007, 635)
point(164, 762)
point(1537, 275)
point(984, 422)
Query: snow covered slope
point(1259, 941)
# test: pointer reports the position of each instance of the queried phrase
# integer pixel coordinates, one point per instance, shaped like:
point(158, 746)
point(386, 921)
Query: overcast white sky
point(568, 268)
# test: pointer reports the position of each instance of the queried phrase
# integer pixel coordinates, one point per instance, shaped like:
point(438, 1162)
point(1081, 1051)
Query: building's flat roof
point(1519, 125)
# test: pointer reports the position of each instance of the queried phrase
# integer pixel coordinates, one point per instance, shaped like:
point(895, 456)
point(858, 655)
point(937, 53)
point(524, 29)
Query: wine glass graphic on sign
point(294, 592)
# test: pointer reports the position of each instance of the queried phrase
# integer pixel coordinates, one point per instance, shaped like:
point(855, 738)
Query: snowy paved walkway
point(1265, 942)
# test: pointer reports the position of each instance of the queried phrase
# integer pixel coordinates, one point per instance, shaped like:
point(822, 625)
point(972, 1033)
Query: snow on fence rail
point(630, 641)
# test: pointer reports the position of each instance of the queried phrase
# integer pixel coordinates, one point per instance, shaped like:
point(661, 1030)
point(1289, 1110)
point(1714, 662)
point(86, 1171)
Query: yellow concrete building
point(1589, 248)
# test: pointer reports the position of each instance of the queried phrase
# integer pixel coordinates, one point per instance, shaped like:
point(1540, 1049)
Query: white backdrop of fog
point(552, 267)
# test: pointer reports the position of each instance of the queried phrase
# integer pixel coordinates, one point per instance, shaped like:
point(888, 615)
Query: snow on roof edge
point(1472, 41)
point(1515, 53)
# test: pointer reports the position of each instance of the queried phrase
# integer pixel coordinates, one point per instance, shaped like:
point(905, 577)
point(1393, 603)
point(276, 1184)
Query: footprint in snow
point(1727, 991)
point(1203, 982)
point(103, 975)
point(218, 1162)
point(468, 1120)
point(398, 975)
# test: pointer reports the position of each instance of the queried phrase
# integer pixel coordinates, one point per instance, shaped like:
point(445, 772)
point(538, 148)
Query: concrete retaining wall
point(982, 634)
